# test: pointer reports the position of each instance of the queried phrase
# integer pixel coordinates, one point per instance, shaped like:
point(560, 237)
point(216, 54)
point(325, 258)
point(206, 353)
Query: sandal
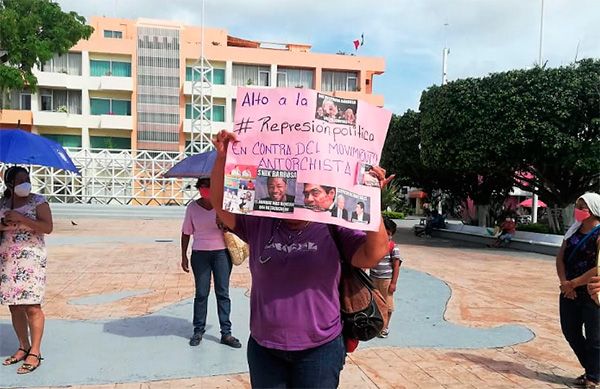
point(580, 381)
point(591, 384)
point(28, 367)
point(12, 359)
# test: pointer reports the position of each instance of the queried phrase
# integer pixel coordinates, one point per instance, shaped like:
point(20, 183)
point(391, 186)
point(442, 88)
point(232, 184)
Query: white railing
point(114, 177)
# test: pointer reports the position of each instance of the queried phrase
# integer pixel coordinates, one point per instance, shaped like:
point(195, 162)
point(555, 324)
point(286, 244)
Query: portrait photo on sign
point(356, 206)
point(231, 201)
point(364, 177)
point(275, 190)
point(316, 197)
point(241, 171)
point(336, 110)
point(245, 201)
point(341, 206)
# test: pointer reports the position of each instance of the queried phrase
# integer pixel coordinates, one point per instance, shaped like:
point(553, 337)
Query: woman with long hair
point(26, 218)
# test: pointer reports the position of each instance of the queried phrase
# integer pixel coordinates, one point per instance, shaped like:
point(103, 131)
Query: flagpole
point(534, 203)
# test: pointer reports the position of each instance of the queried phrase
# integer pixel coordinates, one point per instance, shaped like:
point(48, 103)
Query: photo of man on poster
point(338, 209)
point(318, 197)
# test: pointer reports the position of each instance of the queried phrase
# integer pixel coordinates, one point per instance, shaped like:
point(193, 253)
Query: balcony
point(215, 127)
point(58, 80)
point(221, 91)
point(111, 83)
point(377, 100)
point(119, 122)
point(12, 116)
point(58, 119)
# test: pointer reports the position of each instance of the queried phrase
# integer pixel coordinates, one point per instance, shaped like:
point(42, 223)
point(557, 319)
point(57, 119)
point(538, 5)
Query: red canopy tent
point(529, 202)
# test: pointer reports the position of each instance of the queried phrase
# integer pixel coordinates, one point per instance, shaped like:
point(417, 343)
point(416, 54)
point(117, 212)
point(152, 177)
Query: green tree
point(541, 121)
point(31, 32)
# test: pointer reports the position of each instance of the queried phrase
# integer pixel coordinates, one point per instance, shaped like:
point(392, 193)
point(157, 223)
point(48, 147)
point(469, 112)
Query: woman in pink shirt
point(208, 255)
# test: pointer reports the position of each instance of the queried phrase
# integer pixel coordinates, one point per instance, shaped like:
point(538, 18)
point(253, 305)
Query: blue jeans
point(317, 367)
point(574, 316)
point(219, 263)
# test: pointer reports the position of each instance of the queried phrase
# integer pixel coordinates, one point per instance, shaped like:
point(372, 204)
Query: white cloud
point(483, 35)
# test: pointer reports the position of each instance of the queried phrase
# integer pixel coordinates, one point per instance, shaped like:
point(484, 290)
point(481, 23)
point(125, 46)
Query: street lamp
point(534, 203)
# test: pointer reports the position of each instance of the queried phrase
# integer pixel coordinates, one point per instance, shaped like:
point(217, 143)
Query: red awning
point(417, 194)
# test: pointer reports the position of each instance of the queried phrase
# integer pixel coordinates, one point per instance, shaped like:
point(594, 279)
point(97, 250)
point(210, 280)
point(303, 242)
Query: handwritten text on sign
point(323, 142)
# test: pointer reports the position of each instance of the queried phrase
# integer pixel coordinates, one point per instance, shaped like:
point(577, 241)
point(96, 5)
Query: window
point(218, 113)
point(110, 142)
point(295, 78)
point(218, 75)
point(100, 68)
point(25, 102)
point(339, 81)
point(65, 140)
point(263, 78)
point(60, 100)
point(113, 34)
point(250, 75)
point(46, 102)
point(110, 107)
point(69, 63)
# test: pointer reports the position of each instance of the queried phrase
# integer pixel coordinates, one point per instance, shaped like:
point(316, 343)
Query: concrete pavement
point(118, 315)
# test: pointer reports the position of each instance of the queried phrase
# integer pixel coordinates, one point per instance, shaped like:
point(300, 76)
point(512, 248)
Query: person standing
point(26, 218)
point(576, 267)
point(209, 255)
point(295, 324)
point(385, 274)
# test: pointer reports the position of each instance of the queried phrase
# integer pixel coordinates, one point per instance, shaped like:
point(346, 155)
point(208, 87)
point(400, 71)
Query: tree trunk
point(483, 215)
point(567, 216)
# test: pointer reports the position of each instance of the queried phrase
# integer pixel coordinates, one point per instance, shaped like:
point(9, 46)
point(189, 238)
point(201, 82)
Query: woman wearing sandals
point(576, 267)
point(26, 217)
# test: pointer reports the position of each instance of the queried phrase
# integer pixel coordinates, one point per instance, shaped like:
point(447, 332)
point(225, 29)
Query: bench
point(522, 240)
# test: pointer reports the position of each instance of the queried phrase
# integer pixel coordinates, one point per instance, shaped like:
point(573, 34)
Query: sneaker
point(230, 341)
point(195, 339)
point(384, 333)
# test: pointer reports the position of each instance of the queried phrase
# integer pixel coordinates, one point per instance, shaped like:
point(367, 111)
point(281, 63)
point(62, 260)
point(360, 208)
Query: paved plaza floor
point(118, 311)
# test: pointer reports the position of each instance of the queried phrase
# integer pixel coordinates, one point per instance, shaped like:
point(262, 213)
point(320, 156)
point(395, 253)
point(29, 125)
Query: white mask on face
point(23, 190)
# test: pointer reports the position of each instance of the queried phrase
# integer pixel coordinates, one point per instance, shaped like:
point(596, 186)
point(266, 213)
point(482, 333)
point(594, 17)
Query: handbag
point(363, 309)
point(238, 249)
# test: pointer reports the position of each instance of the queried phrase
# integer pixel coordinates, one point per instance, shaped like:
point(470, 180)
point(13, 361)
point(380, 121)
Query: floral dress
point(22, 259)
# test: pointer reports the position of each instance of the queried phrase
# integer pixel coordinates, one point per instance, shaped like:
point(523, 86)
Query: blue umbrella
point(196, 166)
point(21, 147)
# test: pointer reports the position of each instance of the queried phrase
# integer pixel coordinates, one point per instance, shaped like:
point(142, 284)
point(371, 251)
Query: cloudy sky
point(483, 35)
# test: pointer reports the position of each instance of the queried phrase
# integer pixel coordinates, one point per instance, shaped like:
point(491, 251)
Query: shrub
point(393, 215)
point(534, 227)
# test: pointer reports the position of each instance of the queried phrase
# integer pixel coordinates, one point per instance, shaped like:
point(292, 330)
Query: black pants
point(575, 315)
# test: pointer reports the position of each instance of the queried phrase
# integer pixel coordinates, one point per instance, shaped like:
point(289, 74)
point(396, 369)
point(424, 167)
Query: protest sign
point(305, 155)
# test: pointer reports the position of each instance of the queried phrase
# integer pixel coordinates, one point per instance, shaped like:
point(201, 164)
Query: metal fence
point(114, 177)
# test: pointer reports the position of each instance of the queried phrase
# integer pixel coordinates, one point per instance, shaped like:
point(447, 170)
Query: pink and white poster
point(305, 155)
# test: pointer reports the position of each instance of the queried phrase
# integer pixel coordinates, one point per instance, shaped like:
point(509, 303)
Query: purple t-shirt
point(294, 301)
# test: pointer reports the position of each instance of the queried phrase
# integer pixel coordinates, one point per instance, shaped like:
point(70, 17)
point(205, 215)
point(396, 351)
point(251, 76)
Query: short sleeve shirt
point(294, 301)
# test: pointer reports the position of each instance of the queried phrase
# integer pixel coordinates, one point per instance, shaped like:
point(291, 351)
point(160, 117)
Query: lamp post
point(534, 203)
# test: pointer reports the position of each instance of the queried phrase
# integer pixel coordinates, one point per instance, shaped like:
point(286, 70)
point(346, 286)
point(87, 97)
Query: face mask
point(23, 190)
point(205, 193)
point(581, 215)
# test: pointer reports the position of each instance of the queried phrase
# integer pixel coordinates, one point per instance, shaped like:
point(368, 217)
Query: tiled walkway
point(118, 314)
